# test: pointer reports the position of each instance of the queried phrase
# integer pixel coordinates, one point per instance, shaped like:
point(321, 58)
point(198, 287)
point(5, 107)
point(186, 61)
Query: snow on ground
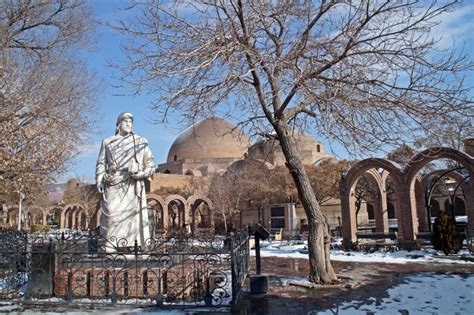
point(418, 294)
point(428, 255)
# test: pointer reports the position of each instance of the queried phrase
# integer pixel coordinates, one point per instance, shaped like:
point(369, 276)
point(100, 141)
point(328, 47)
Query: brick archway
point(37, 215)
point(69, 215)
point(348, 184)
point(428, 179)
point(421, 159)
point(193, 203)
point(183, 212)
point(12, 216)
point(408, 192)
point(162, 215)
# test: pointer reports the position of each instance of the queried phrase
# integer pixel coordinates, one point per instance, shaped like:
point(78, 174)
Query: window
point(175, 157)
point(277, 217)
point(278, 212)
point(318, 148)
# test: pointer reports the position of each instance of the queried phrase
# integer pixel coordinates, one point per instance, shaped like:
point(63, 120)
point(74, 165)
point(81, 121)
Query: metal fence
point(175, 269)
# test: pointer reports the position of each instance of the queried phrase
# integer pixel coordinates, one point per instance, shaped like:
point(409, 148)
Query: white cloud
point(89, 150)
point(456, 27)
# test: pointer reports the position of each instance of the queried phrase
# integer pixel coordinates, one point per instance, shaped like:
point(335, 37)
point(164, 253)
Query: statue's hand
point(138, 175)
point(101, 187)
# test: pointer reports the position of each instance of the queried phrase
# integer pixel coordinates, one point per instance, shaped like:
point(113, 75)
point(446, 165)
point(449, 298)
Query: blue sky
point(457, 25)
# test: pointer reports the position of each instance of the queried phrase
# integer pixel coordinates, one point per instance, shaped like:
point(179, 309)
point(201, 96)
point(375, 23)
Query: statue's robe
point(124, 216)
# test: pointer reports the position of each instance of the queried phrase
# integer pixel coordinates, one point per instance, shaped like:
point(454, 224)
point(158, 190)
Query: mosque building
point(213, 146)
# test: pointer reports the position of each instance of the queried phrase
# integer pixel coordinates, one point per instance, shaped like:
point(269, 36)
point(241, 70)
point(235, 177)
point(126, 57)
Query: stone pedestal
point(258, 284)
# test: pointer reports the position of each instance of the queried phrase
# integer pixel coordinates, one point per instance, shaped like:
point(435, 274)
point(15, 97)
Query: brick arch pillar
point(165, 218)
point(349, 228)
point(406, 216)
point(380, 205)
point(62, 219)
point(468, 188)
point(73, 217)
point(78, 219)
point(381, 213)
point(86, 226)
point(26, 218)
point(31, 218)
point(421, 212)
point(45, 216)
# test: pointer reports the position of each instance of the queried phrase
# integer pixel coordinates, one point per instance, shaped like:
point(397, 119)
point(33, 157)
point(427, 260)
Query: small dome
point(212, 138)
point(73, 183)
point(269, 150)
point(306, 142)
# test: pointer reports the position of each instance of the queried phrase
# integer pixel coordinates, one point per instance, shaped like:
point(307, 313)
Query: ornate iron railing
point(240, 256)
point(172, 269)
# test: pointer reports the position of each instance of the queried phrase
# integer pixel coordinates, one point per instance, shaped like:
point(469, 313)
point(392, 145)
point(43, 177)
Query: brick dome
point(212, 138)
point(269, 150)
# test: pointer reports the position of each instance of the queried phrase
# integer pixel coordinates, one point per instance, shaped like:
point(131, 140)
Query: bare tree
point(226, 195)
point(244, 182)
point(365, 73)
point(46, 93)
point(401, 155)
point(449, 135)
point(36, 29)
point(325, 179)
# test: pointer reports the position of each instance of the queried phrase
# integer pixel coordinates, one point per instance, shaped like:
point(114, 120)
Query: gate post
point(232, 267)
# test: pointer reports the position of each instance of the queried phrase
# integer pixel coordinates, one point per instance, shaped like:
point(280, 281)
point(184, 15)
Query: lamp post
point(22, 197)
point(429, 194)
point(449, 185)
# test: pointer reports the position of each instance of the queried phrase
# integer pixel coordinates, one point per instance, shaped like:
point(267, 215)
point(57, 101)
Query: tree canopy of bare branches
point(46, 92)
point(364, 73)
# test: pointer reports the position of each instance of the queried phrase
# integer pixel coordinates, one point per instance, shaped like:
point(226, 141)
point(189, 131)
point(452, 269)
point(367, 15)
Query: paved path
point(375, 281)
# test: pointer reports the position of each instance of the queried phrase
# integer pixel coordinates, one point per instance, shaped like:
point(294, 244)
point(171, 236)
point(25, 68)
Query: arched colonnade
point(409, 197)
point(30, 215)
point(195, 211)
point(175, 211)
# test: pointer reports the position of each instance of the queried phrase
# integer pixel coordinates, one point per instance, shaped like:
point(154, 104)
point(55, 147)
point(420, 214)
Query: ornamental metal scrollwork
point(173, 268)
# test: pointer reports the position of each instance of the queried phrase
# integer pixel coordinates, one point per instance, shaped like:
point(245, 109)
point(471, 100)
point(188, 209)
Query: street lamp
point(450, 185)
point(429, 194)
point(22, 197)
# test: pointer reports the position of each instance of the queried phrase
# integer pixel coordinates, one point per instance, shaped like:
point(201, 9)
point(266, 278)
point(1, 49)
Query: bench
point(376, 236)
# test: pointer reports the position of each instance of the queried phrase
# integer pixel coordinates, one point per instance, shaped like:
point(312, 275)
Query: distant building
point(213, 146)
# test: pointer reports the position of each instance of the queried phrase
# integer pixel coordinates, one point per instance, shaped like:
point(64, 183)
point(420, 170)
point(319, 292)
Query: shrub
point(446, 236)
point(40, 228)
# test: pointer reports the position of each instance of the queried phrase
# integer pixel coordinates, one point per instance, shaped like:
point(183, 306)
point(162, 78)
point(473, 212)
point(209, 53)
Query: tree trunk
point(321, 270)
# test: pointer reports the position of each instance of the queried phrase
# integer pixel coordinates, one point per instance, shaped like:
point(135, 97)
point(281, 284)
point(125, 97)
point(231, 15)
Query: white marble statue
point(125, 161)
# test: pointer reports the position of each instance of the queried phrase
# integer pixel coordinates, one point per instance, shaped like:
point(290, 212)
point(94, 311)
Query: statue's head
point(124, 123)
